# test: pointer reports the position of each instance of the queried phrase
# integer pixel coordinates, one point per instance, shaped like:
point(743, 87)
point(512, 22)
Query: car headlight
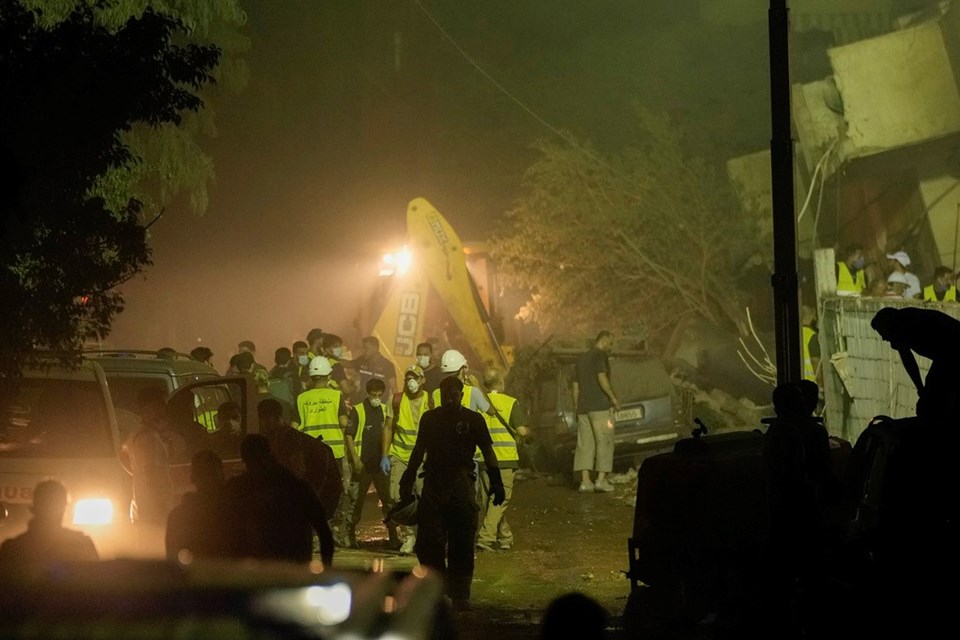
point(93, 511)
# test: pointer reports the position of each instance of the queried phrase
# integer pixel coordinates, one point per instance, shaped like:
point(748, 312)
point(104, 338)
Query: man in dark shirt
point(447, 513)
point(198, 523)
point(364, 442)
point(46, 541)
point(594, 399)
point(431, 370)
point(274, 513)
point(371, 364)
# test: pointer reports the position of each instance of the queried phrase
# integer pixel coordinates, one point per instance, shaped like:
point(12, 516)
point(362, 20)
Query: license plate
point(625, 415)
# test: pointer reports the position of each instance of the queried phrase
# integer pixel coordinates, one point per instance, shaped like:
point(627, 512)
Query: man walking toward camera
point(447, 512)
point(596, 405)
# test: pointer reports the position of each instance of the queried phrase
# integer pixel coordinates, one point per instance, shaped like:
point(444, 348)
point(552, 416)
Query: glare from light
point(404, 260)
point(332, 603)
point(93, 511)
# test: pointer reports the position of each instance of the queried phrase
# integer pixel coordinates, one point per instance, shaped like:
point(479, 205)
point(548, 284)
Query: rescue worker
point(284, 378)
point(454, 364)
point(302, 362)
point(810, 345)
point(897, 286)
point(364, 442)
point(46, 541)
point(943, 288)
point(447, 510)
point(333, 350)
point(246, 346)
point(323, 414)
point(399, 438)
point(505, 428)
point(899, 261)
point(851, 280)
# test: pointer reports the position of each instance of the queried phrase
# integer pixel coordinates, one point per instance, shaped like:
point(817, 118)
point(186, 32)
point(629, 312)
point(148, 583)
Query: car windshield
point(51, 418)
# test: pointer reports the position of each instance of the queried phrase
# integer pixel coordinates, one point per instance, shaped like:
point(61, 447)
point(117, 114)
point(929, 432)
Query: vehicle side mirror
point(4, 512)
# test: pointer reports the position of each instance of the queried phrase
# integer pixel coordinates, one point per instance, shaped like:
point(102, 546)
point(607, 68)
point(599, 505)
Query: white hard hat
point(452, 361)
point(320, 366)
point(897, 278)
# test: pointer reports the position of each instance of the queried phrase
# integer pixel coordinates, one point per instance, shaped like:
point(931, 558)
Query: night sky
point(354, 108)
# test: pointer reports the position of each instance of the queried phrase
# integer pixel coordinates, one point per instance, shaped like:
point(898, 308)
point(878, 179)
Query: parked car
point(69, 425)
point(646, 422)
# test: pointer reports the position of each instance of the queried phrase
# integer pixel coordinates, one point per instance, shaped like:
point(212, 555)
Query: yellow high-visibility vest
point(846, 283)
point(406, 426)
point(319, 411)
point(465, 401)
point(808, 371)
point(504, 445)
point(930, 294)
point(361, 423)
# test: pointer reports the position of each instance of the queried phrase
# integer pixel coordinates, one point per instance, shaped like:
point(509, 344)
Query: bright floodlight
point(93, 511)
point(404, 260)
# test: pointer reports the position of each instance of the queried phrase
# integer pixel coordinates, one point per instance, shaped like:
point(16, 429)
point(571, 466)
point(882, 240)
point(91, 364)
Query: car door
point(199, 402)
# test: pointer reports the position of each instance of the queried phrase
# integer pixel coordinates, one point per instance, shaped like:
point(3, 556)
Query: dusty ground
point(564, 541)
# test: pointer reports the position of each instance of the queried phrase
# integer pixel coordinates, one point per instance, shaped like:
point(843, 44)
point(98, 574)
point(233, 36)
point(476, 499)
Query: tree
point(636, 240)
point(171, 159)
point(70, 93)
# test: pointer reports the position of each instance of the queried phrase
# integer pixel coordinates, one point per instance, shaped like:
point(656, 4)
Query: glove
point(496, 486)
point(385, 465)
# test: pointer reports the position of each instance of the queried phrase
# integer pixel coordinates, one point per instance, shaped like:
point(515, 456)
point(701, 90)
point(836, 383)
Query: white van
point(69, 424)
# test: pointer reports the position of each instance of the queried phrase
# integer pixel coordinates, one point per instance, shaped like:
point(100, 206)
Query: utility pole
point(785, 280)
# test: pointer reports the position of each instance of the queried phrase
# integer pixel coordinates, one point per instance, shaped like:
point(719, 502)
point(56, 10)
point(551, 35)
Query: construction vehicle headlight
point(92, 511)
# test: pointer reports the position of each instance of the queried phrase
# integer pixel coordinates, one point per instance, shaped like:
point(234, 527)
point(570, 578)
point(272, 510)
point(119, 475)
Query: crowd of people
point(891, 277)
point(339, 425)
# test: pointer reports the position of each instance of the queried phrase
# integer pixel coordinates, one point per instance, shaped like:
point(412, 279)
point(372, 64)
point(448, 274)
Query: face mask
point(423, 361)
point(304, 360)
point(858, 263)
point(336, 351)
point(374, 402)
point(413, 385)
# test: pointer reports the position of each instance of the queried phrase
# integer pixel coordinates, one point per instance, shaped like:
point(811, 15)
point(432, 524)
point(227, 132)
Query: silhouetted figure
point(447, 513)
point(273, 512)
point(307, 457)
point(933, 335)
point(574, 615)
point(145, 455)
point(202, 354)
point(46, 541)
point(225, 439)
point(199, 524)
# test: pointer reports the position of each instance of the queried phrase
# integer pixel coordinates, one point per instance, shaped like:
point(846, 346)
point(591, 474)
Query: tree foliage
point(635, 240)
point(72, 90)
point(172, 160)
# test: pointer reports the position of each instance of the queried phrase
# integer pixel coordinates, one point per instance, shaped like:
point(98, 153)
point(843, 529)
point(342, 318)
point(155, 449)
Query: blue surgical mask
point(336, 351)
point(374, 402)
point(303, 360)
point(858, 263)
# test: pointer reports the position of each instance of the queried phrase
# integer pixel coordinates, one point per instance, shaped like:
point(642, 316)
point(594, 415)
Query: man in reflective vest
point(851, 280)
point(323, 414)
point(943, 288)
point(399, 437)
point(809, 344)
point(454, 364)
point(364, 443)
point(504, 430)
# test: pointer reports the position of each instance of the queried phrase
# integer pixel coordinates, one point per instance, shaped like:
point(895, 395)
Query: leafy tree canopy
point(72, 91)
point(634, 240)
point(172, 159)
